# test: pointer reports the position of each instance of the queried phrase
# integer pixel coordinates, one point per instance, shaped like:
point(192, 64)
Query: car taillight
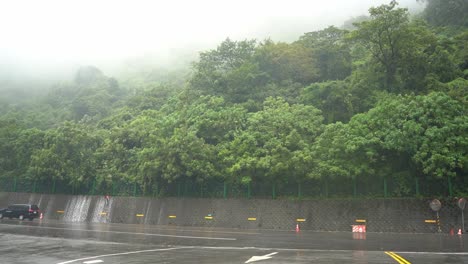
point(31, 210)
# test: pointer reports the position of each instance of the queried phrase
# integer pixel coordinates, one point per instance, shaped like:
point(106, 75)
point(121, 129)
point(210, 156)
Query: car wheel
point(21, 217)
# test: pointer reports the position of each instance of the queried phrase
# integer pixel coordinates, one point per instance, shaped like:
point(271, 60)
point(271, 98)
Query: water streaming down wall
point(148, 213)
point(381, 215)
point(36, 199)
point(77, 209)
point(102, 210)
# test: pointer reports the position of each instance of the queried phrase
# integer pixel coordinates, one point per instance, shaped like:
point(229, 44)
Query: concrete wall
point(381, 215)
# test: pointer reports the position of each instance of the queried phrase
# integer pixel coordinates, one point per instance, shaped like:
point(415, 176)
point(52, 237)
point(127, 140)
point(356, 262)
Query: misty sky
point(41, 34)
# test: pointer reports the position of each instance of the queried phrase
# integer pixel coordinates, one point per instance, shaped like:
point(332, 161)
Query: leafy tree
point(153, 98)
point(217, 69)
point(403, 52)
point(461, 52)
point(446, 12)
point(387, 37)
point(214, 121)
point(185, 155)
point(282, 62)
point(28, 142)
point(333, 98)
point(333, 157)
point(422, 135)
point(91, 95)
point(384, 35)
point(330, 52)
point(9, 130)
point(66, 155)
point(276, 143)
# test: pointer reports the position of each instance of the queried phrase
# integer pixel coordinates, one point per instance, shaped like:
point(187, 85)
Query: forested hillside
point(379, 109)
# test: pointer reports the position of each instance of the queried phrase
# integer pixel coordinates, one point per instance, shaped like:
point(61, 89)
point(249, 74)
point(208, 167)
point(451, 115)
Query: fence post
point(273, 191)
point(385, 187)
point(326, 188)
point(416, 183)
point(248, 191)
point(34, 186)
point(134, 189)
point(178, 188)
point(225, 190)
point(14, 184)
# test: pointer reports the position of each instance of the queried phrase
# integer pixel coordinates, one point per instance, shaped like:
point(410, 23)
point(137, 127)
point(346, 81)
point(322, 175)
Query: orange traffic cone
point(297, 228)
point(459, 231)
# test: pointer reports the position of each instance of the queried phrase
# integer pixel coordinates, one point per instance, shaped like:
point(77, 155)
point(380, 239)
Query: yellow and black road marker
point(397, 257)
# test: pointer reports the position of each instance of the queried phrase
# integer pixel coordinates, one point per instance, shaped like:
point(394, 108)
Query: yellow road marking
point(397, 257)
point(208, 217)
point(360, 220)
point(300, 220)
point(172, 216)
point(430, 221)
point(140, 215)
point(60, 211)
point(252, 219)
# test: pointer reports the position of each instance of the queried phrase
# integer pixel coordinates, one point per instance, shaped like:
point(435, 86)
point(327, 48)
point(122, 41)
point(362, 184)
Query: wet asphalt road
point(57, 242)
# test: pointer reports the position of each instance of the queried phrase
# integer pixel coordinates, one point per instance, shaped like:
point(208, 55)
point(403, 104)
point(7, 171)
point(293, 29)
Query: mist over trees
point(382, 101)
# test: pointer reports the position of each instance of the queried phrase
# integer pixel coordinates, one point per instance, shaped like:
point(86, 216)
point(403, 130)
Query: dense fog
point(49, 40)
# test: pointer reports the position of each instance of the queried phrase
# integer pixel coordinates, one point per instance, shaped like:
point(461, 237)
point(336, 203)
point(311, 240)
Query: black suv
point(20, 211)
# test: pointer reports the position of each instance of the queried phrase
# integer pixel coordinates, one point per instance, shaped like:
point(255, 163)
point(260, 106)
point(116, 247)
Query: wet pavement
point(57, 242)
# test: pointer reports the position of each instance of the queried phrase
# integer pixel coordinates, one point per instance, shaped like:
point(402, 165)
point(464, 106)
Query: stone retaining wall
point(381, 215)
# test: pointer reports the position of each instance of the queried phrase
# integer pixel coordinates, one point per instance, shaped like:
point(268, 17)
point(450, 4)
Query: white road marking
point(254, 248)
point(93, 261)
point(120, 254)
point(129, 233)
point(258, 258)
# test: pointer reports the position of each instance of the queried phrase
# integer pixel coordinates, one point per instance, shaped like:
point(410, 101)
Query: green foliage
point(333, 98)
point(330, 52)
point(275, 144)
point(66, 154)
point(91, 96)
point(423, 135)
point(282, 62)
point(446, 12)
point(218, 71)
point(335, 112)
point(386, 36)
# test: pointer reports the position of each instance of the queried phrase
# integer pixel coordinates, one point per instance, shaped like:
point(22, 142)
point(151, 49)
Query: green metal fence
point(218, 188)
